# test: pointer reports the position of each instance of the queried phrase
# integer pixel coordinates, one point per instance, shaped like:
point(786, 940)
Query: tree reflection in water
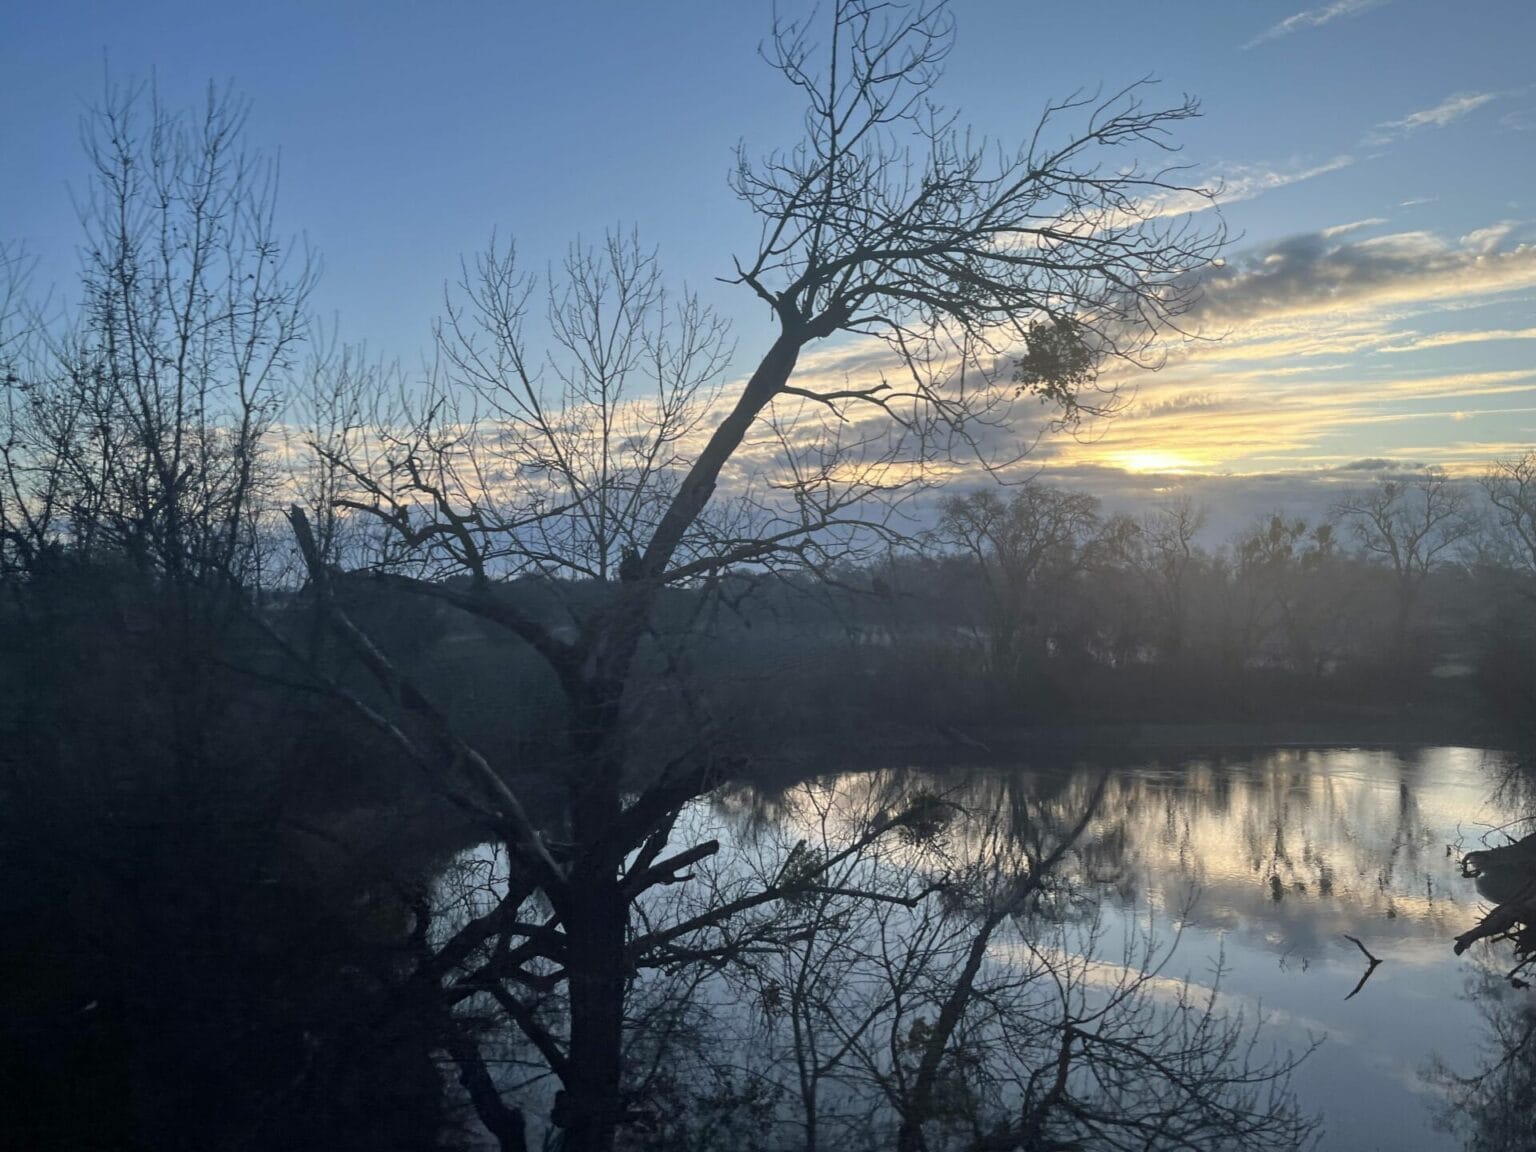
point(955, 987)
point(821, 1020)
point(1490, 1108)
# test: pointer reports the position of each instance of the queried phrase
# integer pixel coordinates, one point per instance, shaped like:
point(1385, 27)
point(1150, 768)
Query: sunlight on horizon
point(1152, 460)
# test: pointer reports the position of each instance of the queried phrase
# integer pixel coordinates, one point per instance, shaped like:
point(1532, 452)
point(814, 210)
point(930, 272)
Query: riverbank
point(944, 745)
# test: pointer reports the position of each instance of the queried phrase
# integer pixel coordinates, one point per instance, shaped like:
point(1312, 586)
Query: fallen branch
point(1371, 967)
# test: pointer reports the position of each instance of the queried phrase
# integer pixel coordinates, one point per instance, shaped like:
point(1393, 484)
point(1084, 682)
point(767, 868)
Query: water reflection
point(1298, 847)
point(1271, 861)
point(974, 993)
point(1488, 1104)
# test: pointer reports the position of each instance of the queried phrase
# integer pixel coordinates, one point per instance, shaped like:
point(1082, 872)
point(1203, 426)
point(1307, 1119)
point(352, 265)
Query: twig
point(1371, 967)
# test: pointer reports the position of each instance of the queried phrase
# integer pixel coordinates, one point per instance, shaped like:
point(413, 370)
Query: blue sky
point(1379, 158)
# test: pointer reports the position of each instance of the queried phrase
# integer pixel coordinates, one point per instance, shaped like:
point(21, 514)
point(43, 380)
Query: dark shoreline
point(948, 747)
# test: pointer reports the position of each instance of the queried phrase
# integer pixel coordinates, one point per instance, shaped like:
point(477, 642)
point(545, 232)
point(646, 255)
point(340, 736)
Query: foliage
point(1059, 364)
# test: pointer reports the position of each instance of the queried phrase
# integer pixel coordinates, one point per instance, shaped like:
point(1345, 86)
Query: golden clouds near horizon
point(1152, 461)
point(1315, 351)
point(1305, 355)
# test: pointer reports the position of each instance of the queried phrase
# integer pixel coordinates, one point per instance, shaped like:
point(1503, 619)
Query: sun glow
point(1152, 461)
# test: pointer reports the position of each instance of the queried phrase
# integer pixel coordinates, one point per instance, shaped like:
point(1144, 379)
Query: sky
point(1377, 308)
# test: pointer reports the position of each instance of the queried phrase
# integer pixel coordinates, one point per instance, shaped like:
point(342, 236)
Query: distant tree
point(1117, 596)
point(1021, 546)
point(1171, 560)
point(1510, 486)
point(1276, 566)
point(1410, 526)
point(1505, 572)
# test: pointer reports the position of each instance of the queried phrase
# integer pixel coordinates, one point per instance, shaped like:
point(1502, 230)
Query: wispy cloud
point(1519, 120)
point(1353, 226)
point(1450, 109)
point(1451, 339)
point(1491, 238)
point(1237, 182)
point(1378, 464)
point(1182, 403)
point(1244, 183)
point(1313, 18)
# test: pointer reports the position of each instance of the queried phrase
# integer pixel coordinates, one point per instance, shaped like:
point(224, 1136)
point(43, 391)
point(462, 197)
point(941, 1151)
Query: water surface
point(1267, 861)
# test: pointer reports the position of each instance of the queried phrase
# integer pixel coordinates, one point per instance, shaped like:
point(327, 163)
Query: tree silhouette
point(605, 457)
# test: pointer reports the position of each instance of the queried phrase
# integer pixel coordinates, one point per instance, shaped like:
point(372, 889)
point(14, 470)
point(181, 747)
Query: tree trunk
point(1402, 625)
point(918, 1105)
point(504, 1123)
point(772, 374)
point(596, 916)
point(593, 1104)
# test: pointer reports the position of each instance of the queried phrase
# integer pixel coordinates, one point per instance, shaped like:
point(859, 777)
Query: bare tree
point(1022, 547)
point(26, 504)
point(1170, 556)
point(133, 428)
point(1510, 486)
point(142, 430)
point(885, 220)
point(1410, 526)
point(1279, 568)
point(326, 423)
point(596, 427)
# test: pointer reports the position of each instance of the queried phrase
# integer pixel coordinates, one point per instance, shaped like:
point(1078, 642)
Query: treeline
point(1030, 605)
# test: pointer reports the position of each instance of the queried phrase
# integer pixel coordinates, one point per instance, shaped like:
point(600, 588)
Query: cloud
point(1237, 182)
point(1312, 363)
point(1184, 402)
point(1244, 183)
point(1313, 18)
point(1315, 372)
point(1379, 464)
point(1310, 273)
point(1466, 336)
point(1352, 226)
point(1233, 502)
point(1450, 109)
point(1519, 120)
point(1484, 240)
point(1313, 360)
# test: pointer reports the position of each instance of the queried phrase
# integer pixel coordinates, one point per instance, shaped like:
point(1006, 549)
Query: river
point(1266, 861)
